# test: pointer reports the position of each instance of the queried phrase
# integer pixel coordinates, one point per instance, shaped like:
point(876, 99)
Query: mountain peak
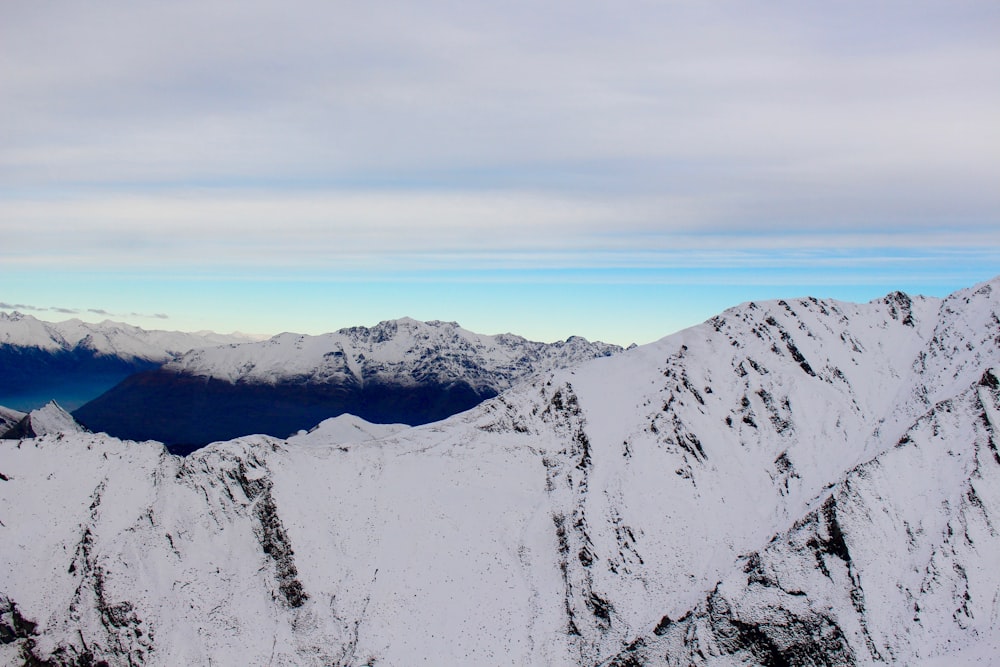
point(50, 418)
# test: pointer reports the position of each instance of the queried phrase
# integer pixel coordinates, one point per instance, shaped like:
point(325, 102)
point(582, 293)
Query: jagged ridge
point(800, 482)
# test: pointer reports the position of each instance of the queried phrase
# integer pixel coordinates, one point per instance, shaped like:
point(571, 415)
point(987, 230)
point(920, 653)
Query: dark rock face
point(187, 412)
point(32, 376)
point(272, 537)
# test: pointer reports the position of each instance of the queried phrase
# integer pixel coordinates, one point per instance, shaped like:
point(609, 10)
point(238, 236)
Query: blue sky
point(612, 170)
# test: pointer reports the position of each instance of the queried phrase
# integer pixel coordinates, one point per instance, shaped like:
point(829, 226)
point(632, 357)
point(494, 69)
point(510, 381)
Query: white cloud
point(436, 231)
point(191, 91)
point(565, 133)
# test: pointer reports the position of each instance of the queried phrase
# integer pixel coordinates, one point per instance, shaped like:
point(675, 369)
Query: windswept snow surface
point(345, 429)
point(801, 482)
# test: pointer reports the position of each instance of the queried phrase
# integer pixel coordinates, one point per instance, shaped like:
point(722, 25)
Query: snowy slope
point(344, 429)
point(809, 482)
point(897, 563)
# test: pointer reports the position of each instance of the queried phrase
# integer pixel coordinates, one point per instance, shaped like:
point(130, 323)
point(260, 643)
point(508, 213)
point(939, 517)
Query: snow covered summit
point(50, 418)
point(344, 429)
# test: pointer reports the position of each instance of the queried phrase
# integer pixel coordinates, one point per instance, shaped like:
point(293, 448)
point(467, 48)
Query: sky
point(612, 170)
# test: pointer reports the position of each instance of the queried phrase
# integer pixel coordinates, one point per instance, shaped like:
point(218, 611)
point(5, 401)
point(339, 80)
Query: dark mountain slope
point(186, 412)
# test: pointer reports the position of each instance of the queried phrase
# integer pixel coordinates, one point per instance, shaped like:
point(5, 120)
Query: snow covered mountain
point(791, 483)
point(399, 371)
point(50, 418)
point(108, 339)
point(74, 361)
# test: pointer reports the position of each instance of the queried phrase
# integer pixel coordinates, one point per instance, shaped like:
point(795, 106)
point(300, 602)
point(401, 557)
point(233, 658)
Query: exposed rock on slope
point(802, 482)
point(400, 371)
point(895, 564)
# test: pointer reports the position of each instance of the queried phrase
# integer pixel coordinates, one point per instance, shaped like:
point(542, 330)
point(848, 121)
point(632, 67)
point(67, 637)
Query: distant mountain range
point(799, 482)
point(74, 361)
point(399, 371)
point(187, 390)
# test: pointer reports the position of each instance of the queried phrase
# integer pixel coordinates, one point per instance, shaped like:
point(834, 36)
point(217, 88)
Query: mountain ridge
point(396, 371)
point(74, 361)
point(781, 484)
point(108, 338)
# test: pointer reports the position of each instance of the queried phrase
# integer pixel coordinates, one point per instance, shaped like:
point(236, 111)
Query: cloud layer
point(409, 230)
point(76, 311)
point(459, 136)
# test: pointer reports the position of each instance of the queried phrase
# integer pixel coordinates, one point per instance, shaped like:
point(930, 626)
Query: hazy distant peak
point(107, 338)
